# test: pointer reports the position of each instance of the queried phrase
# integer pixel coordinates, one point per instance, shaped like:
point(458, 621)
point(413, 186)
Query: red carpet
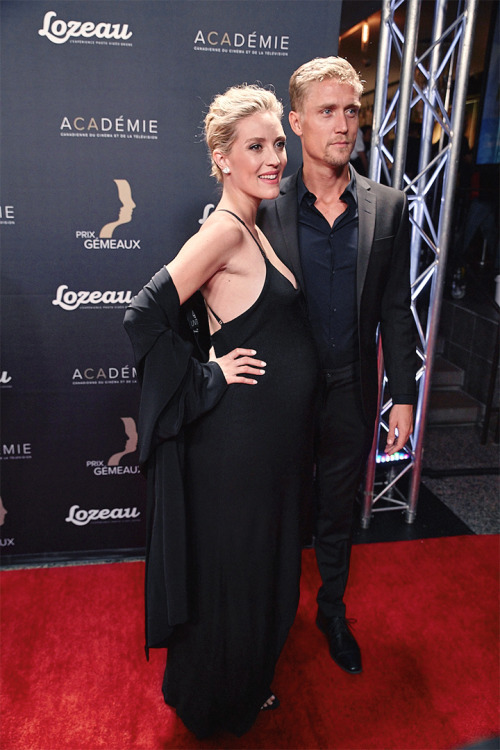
point(74, 674)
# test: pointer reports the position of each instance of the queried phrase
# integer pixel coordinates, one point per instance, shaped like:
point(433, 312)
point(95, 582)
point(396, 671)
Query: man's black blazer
point(383, 280)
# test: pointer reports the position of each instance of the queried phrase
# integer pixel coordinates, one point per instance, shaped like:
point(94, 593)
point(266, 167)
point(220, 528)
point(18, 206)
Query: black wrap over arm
point(176, 389)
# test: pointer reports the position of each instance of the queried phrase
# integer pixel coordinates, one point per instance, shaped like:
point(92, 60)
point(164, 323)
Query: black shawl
point(169, 342)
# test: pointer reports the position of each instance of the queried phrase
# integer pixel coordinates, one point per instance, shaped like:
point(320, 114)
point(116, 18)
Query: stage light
point(365, 36)
point(383, 458)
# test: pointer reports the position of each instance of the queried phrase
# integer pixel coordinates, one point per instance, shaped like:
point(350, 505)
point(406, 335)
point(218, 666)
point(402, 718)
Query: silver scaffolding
point(436, 81)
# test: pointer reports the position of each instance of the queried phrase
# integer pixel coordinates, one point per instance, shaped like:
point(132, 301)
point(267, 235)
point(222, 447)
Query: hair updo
point(225, 112)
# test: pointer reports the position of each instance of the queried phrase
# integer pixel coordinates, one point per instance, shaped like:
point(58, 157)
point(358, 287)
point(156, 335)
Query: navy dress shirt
point(328, 257)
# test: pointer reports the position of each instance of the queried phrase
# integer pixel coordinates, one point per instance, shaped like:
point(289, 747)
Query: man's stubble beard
point(340, 159)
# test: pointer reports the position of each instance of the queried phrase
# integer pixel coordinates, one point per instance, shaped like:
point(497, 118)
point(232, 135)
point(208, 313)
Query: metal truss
point(435, 81)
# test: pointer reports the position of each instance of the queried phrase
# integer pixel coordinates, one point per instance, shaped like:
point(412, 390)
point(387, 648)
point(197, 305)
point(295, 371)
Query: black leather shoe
point(343, 647)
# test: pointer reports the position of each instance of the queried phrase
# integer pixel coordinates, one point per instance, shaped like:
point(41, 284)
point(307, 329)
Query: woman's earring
point(226, 170)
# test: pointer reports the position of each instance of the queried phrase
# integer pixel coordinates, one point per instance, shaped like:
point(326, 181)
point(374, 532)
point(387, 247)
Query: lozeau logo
point(59, 32)
point(81, 517)
point(69, 300)
point(5, 378)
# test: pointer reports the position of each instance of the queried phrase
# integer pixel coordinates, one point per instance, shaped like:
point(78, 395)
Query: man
point(347, 240)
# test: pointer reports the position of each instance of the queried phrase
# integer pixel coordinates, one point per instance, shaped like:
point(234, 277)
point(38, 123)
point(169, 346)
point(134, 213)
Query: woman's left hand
point(237, 363)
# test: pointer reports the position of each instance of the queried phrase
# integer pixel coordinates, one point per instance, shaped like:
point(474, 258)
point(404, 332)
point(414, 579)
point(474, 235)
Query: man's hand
point(400, 418)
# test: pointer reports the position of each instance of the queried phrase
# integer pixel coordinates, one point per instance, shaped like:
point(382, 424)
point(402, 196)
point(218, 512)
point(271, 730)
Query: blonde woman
point(226, 444)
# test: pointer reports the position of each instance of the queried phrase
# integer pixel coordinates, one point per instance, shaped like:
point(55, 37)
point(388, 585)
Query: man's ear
point(294, 120)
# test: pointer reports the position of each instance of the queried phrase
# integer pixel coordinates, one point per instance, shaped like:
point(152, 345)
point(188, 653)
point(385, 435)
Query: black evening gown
point(248, 470)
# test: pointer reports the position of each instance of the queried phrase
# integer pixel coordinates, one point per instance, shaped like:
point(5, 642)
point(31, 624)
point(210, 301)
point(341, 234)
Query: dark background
point(62, 400)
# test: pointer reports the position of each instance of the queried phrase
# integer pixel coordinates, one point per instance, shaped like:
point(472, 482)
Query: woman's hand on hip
point(237, 364)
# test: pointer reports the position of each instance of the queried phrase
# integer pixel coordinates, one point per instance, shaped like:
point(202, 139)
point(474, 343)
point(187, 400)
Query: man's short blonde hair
point(320, 69)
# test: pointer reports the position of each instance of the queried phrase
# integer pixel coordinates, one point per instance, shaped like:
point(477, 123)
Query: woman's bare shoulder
point(222, 229)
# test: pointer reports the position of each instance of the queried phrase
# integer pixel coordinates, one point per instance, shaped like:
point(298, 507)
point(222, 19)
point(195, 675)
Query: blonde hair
point(319, 69)
point(225, 112)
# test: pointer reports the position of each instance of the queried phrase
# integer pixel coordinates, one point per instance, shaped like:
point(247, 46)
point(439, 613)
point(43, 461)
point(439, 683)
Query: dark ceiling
point(354, 11)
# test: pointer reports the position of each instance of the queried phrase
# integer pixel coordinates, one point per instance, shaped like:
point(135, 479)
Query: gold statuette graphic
point(126, 211)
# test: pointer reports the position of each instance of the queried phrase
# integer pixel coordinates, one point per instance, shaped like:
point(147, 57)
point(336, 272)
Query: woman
point(227, 445)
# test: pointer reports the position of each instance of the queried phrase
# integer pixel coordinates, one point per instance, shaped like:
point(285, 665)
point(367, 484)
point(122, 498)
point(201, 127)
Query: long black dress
point(248, 469)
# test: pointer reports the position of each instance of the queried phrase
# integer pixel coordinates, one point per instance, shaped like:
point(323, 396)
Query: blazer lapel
point(367, 204)
point(286, 209)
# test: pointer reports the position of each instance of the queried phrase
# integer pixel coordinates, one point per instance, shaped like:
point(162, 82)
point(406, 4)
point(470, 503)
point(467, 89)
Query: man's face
point(327, 123)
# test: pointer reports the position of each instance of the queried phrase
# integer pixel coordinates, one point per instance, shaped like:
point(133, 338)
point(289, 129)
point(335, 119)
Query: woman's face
point(257, 157)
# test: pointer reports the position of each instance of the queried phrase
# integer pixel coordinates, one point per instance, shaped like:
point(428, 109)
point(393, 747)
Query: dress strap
point(247, 228)
point(219, 321)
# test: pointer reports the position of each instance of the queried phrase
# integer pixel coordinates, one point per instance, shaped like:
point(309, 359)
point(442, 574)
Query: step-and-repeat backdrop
point(104, 175)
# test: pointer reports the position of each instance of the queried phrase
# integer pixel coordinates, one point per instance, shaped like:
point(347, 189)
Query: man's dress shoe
point(343, 647)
